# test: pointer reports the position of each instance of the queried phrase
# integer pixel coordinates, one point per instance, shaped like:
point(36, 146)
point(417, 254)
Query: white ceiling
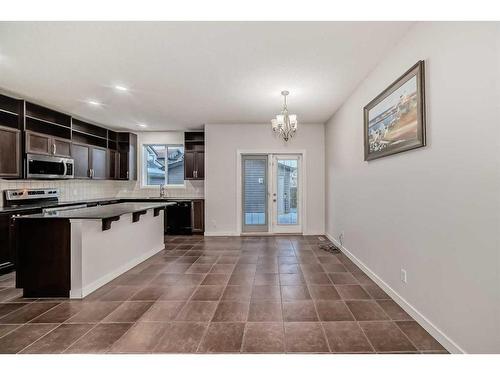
point(185, 74)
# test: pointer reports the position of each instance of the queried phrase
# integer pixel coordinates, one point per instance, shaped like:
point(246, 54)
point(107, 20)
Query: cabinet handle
point(195, 174)
point(55, 148)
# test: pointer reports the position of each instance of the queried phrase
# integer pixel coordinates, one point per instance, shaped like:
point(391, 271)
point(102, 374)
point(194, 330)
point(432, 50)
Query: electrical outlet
point(403, 276)
point(214, 223)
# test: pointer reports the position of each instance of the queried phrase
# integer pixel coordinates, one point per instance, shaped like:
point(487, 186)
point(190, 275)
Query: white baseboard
point(86, 290)
point(221, 234)
point(444, 340)
point(232, 234)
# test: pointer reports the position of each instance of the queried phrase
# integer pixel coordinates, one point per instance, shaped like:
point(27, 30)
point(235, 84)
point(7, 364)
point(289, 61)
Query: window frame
point(144, 169)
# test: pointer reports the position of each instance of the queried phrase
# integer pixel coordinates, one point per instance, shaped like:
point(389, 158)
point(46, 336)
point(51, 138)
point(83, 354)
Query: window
point(163, 165)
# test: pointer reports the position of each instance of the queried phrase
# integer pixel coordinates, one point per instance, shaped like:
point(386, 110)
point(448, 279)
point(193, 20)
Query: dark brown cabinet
point(8, 256)
point(105, 154)
point(52, 130)
point(189, 167)
point(198, 216)
point(44, 144)
point(194, 156)
point(90, 161)
point(127, 156)
point(38, 143)
point(10, 152)
point(62, 147)
point(11, 125)
point(200, 165)
point(98, 164)
point(81, 157)
point(113, 164)
point(28, 128)
point(194, 165)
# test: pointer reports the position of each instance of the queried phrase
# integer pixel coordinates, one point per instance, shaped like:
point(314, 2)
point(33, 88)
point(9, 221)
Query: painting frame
point(417, 71)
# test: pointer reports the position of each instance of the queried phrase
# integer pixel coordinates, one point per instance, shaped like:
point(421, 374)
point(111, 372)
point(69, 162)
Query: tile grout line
point(136, 322)
point(60, 324)
point(28, 322)
point(243, 251)
point(364, 334)
point(282, 308)
point(404, 334)
point(319, 317)
point(184, 305)
point(217, 306)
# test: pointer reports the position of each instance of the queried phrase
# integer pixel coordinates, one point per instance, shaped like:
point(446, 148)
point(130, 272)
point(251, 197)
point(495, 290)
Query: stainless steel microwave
point(49, 167)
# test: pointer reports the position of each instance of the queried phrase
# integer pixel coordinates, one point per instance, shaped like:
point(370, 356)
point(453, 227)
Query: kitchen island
point(71, 253)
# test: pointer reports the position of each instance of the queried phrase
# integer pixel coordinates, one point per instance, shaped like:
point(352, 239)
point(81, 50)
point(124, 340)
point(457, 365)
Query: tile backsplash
point(72, 190)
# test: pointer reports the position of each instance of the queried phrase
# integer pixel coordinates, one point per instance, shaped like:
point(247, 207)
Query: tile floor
point(220, 295)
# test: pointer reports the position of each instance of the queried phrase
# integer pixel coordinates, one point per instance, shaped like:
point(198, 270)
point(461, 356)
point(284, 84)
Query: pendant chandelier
point(285, 125)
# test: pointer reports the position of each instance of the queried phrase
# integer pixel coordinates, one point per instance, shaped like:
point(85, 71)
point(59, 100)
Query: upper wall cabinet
point(47, 121)
point(125, 156)
point(11, 120)
point(28, 128)
point(100, 153)
point(85, 133)
point(194, 156)
point(38, 143)
point(89, 150)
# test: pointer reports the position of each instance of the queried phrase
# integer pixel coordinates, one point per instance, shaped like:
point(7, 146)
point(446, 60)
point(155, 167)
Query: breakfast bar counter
point(71, 253)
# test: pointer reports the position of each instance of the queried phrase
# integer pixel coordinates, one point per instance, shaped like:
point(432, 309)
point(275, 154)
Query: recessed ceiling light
point(121, 88)
point(94, 103)
point(142, 125)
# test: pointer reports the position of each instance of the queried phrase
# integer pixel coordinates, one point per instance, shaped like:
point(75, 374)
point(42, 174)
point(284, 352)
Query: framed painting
point(394, 121)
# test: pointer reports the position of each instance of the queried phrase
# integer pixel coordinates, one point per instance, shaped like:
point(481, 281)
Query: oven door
point(45, 167)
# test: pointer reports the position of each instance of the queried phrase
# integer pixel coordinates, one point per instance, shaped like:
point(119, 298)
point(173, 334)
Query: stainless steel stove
point(30, 197)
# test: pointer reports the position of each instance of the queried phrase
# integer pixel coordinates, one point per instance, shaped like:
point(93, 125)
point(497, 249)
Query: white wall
point(433, 211)
point(221, 145)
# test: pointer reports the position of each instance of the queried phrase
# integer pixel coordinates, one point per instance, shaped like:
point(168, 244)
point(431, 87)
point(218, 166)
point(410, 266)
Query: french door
point(271, 196)
point(286, 194)
point(255, 193)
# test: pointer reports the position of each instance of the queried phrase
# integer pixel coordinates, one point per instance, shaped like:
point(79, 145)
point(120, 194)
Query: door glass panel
point(255, 193)
point(287, 190)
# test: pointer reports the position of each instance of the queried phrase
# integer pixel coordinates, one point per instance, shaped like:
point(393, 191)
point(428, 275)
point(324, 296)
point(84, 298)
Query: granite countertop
point(90, 201)
point(98, 212)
